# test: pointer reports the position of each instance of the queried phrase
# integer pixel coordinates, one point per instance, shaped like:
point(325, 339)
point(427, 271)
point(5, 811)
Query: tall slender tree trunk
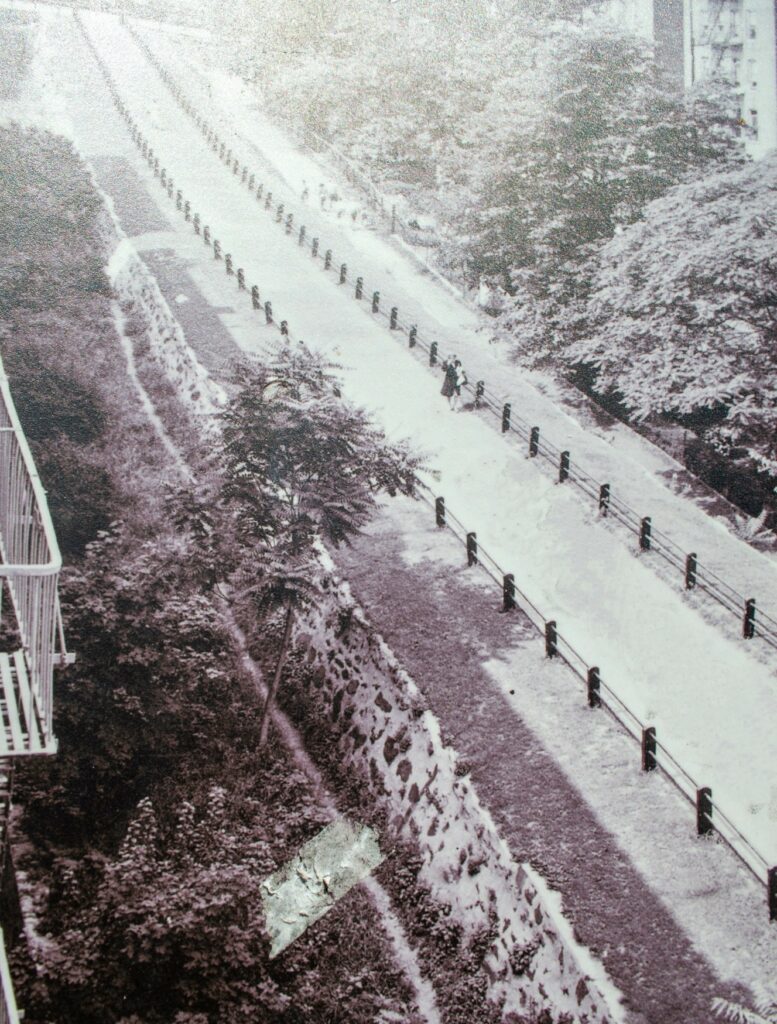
point(264, 726)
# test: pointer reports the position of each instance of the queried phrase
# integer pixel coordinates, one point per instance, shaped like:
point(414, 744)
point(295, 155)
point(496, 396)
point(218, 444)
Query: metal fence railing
point(9, 1013)
point(30, 569)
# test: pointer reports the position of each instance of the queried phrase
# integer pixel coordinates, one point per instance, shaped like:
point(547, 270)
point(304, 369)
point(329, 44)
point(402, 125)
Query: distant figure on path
point(449, 384)
point(461, 380)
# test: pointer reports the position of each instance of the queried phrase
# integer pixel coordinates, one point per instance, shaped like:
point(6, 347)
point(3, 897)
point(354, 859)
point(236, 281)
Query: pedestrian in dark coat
point(449, 384)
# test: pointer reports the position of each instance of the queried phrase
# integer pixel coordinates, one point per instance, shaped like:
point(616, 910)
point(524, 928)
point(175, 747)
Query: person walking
point(460, 379)
point(448, 389)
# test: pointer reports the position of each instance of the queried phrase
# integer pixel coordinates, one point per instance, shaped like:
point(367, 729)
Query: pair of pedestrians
point(455, 379)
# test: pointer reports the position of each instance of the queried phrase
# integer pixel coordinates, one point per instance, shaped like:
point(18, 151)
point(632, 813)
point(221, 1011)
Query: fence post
point(690, 571)
point(359, 287)
point(255, 297)
point(228, 263)
point(472, 549)
point(241, 279)
point(227, 157)
point(594, 687)
point(302, 235)
point(196, 223)
point(217, 249)
point(508, 592)
point(235, 166)
point(285, 328)
point(645, 533)
point(604, 499)
point(506, 410)
point(169, 188)
point(267, 200)
point(163, 177)
point(314, 247)
point(772, 893)
point(259, 190)
point(178, 199)
point(245, 174)
point(279, 213)
point(289, 223)
point(268, 312)
point(704, 811)
point(534, 442)
point(433, 354)
point(649, 761)
point(327, 259)
point(480, 388)
point(206, 235)
point(563, 467)
point(252, 182)
point(393, 318)
point(411, 337)
point(748, 623)
point(439, 511)
point(551, 639)
point(343, 272)
point(187, 210)
point(375, 301)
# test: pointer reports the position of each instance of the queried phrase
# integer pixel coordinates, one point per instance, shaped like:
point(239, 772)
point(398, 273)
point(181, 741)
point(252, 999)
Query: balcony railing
point(9, 1014)
point(29, 566)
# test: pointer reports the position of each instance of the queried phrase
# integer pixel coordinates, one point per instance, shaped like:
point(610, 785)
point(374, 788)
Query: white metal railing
point(29, 559)
point(9, 1014)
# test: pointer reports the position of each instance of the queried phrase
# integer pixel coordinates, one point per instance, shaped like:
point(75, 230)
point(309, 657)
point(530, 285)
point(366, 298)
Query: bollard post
point(279, 213)
point(506, 410)
point(268, 312)
point(302, 235)
point(508, 592)
point(594, 688)
point(433, 354)
point(411, 337)
point(393, 318)
point(241, 279)
point(178, 199)
point(255, 297)
point(217, 249)
point(228, 263)
point(285, 328)
point(748, 623)
point(327, 259)
point(649, 760)
point(480, 389)
point(439, 511)
point(343, 273)
point(704, 811)
point(604, 499)
point(771, 887)
point(314, 248)
point(534, 442)
point(196, 223)
point(472, 549)
point(645, 532)
point(563, 467)
point(690, 571)
point(252, 182)
point(187, 211)
point(551, 639)
point(289, 223)
point(375, 301)
point(359, 287)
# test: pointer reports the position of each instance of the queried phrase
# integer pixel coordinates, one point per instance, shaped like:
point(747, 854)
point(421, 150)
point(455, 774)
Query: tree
point(765, 1011)
point(613, 136)
point(303, 467)
point(682, 317)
